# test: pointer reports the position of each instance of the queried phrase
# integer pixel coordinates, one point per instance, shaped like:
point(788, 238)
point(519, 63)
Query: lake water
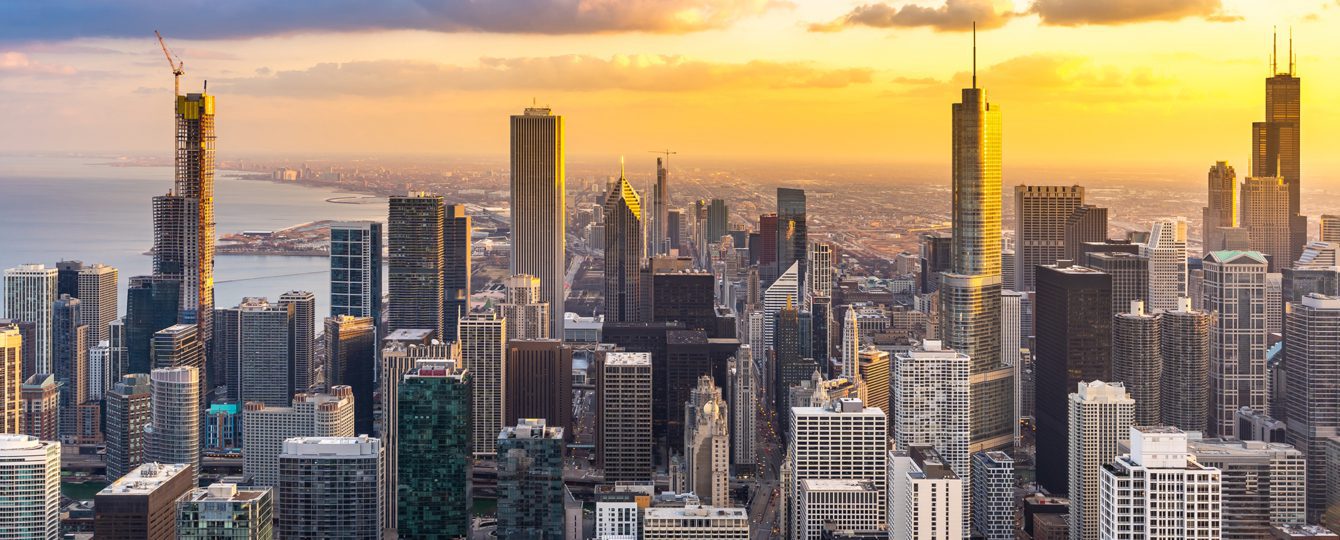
point(55, 208)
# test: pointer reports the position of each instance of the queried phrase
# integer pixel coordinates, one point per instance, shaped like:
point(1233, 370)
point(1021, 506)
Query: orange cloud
point(1108, 12)
point(954, 15)
point(18, 63)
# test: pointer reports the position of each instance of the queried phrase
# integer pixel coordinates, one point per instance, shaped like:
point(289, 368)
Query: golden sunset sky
point(1110, 83)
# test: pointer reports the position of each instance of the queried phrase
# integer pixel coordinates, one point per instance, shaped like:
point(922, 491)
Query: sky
point(1101, 84)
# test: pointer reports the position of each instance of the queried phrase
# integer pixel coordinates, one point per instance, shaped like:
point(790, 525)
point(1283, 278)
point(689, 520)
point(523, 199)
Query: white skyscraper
point(98, 297)
point(780, 294)
point(851, 343)
point(1157, 492)
point(1011, 330)
point(526, 313)
point(538, 195)
point(1235, 295)
point(1166, 251)
point(925, 497)
point(30, 482)
point(848, 505)
point(264, 429)
point(173, 435)
point(931, 403)
point(844, 440)
point(819, 269)
point(30, 292)
point(993, 495)
point(1100, 415)
point(484, 353)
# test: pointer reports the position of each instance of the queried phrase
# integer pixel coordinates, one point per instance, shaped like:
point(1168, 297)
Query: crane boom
point(173, 61)
point(666, 152)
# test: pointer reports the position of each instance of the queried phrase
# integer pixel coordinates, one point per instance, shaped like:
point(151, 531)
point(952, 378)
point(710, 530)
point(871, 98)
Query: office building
point(1012, 336)
point(67, 277)
point(538, 205)
point(1129, 273)
point(1235, 291)
point(1223, 208)
point(11, 379)
point(265, 428)
point(876, 379)
point(69, 359)
point(225, 511)
point(255, 341)
point(744, 388)
point(659, 239)
point(851, 342)
point(1166, 251)
point(30, 292)
point(1330, 228)
point(623, 417)
point(351, 360)
point(852, 505)
point(128, 412)
point(783, 291)
point(694, 521)
point(993, 495)
point(526, 313)
point(1274, 302)
point(821, 267)
point(173, 435)
point(618, 513)
point(456, 268)
point(530, 481)
point(925, 496)
point(1087, 223)
point(151, 305)
point(1073, 344)
point(30, 480)
point(400, 352)
point(707, 444)
point(329, 488)
point(302, 339)
point(483, 339)
point(1184, 344)
point(1275, 141)
point(539, 383)
point(40, 397)
point(433, 463)
point(1100, 415)
point(142, 505)
point(842, 440)
point(356, 270)
point(1265, 215)
point(1158, 491)
point(415, 262)
point(792, 239)
point(1041, 214)
point(1137, 361)
point(931, 404)
point(1262, 484)
point(1313, 391)
point(96, 288)
point(717, 217)
point(623, 253)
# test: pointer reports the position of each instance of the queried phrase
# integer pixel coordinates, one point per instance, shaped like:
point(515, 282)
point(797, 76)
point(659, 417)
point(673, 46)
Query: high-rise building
point(538, 205)
point(1275, 142)
point(1222, 210)
point(673, 224)
point(1040, 217)
point(526, 313)
point(1166, 251)
point(11, 379)
point(1265, 215)
point(225, 511)
point(1330, 228)
point(30, 480)
point(1312, 350)
point(936, 255)
point(1130, 276)
point(255, 342)
point(30, 292)
point(128, 412)
point(302, 370)
point(826, 506)
point(1158, 491)
point(351, 360)
point(96, 288)
point(842, 440)
point(67, 277)
point(1235, 293)
point(415, 261)
point(783, 291)
point(623, 417)
point(483, 339)
point(40, 397)
point(931, 403)
point(356, 270)
point(1100, 415)
point(401, 350)
point(142, 505)
point(151, 305)
point(623, 253)
point(820, 264)
point(433, 468)
point(660, 201)
point(329, 488)
point(717, 217)
point(685, 296)
point(707, 444)
point(875, 373)
point(1137, 361)
point(1088, 223)
point(1263, 484)
point(1072, 345)
point(265, 428)
point(173, 435)
point(539, 383)
point(1184, 344)
point(69, 360)
point(744, 387)
point(791, 232)
point(1012, 343)
point(1274, 302)
point(993, 495)
point(530, 481)
point(925, 498)
point(851, 342)
point(821, 330)
point(456, 268)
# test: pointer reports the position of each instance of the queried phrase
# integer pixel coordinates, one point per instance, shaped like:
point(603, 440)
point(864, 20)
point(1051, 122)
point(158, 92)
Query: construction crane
point(667, 153)
point(173, 61)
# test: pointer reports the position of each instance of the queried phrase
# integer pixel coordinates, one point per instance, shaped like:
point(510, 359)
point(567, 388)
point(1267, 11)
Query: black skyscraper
point(151, 305)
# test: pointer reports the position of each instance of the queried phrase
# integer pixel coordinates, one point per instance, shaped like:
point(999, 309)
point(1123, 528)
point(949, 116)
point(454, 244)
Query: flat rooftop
point(627, 359)
point(144, 479)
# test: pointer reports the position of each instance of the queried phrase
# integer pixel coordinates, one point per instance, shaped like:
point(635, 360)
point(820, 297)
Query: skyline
point(444, 92)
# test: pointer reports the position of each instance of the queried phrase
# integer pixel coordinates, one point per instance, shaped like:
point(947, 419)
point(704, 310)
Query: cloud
point(1058, 78)
point(54, 20)
point(17, 63)
point(643, 73)
point(1112, 12)
point(954, 15)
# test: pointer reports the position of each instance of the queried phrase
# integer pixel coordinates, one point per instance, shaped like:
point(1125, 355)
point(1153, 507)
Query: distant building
point(40, 404)
point(539, 383)
point(707, 444)
point(255, 342)
point(328, 487)
point(31, 467)
point(225, 511)
point(30, 292)
point(623, 253)
point(526, 313)
point(173, 434)
point(1137, 360)
point(351, 360)
point(538, 205)
point(1235, 291)
point(302, 368)
point(1184, 343)
point(483, 340)
point(1040, 214)
point(11, 379)
point(128, 412)
point(142, 504)
point(743, 391)
point(415, 262)
point(97, 288)
point(1166, 251)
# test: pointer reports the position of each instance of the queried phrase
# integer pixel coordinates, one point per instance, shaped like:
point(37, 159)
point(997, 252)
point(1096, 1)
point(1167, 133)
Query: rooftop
point(145, 479)
point(224, 492)
point(627, 359)
point(700, 512)
point(825, 484)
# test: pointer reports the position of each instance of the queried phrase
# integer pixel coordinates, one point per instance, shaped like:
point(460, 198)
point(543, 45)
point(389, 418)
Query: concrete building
point(264, 428)
point(618, 513)
point(483, 339)
point(173, 435)
point(1235, 291)
point(1130, 276)
point(539, 383)
point(1266, 216)
point(11, 379)
point(1223, 208)
point(844, 504)
point(992, 505)
point(302, 368)
point(97, 289)
point(1184, 344)
point(457, 235)
point(744, 396)
point(351, 360)
point(531, 493)
point(415, 262)
point(1166, 251)
point(40, 406)
point(1313, 390)
point(1040, 215)
point(141, 505)
point(30, 480)
point(707, 444)
point(402, 349)
point(224, 511)
point(1100, 415)
point(527, 314)
point(931, 406)
point(356, 270)
point(1262, 484)
point(30, 291)
point(1158, 492)
point(433, 459)
point(329, 488)
point(693, 521)
point(255, 343)
point(1137, 361)
point(1330, 228)
point(875, 372)
point(925, 496)
point(1088, 223)
point(842, 440)
point(538, 205)
point(623, 418)
point(69, 360)
point(128, 413)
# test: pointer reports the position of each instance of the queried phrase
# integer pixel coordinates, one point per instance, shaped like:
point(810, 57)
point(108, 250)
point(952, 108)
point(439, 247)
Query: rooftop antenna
point(974, 55)
point(621, 167)
point(1274, 50)
point(1291, 57)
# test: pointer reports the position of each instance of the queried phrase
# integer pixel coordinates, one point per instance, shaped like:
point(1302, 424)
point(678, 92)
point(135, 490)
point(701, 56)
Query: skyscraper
point(538, 202)
point(1088, 223)
point(265, 428)
point(1275, 142)
point(531, 493)
point(744, 385)
point(302, 338)
point(30, 478)
point(1040, 217)
point(791, 231)
point(1235, 292)
point(69, 359)
point(151, 305)
point(30, 291)
point(789, 367)
point(623, 418)
point(96, 288)
point(67, 277)
point(142, 504)
point(1265, 215)
point(539, 383)
point(401, 350)
point(1222, 210)
point(1130, 276)
point(925, 496)
point(623, 253)
point(1262, 484)
point(842, 440)
point(1137, 361)
point(128, 412)
point(717, 220)
point(351, 360)
point(433, 470)
point(1158, 473)
point(173, 434)
point(356, 270)
point(526, 313)
point(415, 262)
point(820, 264)
point(931, 404)
point(11, 379)
point(707, 444)
point(1312, 348)
point(41, 406)
point(1184, 344)
point(456, 268)
point(783, 291)
point(329, 488)
point(1330, 228)
point(483, 339)
point(993, 495)
point(660, 200)
point(224, 511)
point(255, 343)
point(1100, 414)
point(1166, 251)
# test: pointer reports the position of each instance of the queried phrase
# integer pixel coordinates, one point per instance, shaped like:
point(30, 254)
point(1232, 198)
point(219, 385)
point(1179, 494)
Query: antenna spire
point(1291, 57)
point(621, 167)
point(974, 55)
point(1274, 50)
